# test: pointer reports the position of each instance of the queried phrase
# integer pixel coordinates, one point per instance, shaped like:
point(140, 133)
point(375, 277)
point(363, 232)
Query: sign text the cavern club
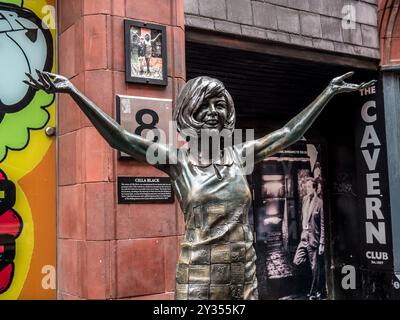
point(374, 195)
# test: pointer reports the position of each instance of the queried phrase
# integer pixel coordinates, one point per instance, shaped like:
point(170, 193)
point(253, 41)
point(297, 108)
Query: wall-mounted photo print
point(145, 53)
point(290, 224)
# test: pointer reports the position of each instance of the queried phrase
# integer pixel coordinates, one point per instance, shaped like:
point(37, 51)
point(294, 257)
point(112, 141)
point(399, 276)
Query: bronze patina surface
point(217, 259)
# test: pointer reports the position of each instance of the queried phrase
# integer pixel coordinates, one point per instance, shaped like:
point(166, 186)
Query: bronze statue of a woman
point(217, 259)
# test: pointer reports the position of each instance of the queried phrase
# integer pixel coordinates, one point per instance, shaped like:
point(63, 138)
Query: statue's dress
point(217, 259)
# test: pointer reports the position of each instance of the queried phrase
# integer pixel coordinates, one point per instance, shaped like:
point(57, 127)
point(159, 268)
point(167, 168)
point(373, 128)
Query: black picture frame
point(140, 65)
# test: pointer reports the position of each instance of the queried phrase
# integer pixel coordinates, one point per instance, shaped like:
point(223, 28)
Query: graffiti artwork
point(26, 46)
point(27, 155)
point(10, 229)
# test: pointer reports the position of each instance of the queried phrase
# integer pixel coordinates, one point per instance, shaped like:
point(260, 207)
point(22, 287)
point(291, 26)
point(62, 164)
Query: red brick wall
point(389, 31)
point(106, 250)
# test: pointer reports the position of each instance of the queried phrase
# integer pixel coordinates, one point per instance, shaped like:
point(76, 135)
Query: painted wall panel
point(27, 154)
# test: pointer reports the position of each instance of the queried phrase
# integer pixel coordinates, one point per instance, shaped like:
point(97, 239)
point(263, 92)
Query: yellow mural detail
point(18, 163)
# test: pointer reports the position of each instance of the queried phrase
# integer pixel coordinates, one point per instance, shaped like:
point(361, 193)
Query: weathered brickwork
point(319, 24)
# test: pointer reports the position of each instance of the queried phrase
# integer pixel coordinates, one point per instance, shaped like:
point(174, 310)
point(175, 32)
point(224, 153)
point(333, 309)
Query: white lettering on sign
point(375, 226)
point(371, 159)
point(370, 137)
point(373, 183)
point(378, 233)
point(364, 112)
point(376, 255)
point(368, 91)
point(141, 180)
point(373, 205)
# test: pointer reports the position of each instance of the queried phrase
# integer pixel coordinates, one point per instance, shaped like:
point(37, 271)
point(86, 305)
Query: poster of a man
point(312, 242)
point(289, 224)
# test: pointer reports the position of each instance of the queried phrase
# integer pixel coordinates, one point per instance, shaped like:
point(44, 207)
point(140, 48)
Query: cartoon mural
point(25, 47)
point(10, 229)
point(27, 155)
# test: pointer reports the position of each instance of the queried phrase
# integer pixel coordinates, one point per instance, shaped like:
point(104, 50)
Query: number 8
point(150, 126)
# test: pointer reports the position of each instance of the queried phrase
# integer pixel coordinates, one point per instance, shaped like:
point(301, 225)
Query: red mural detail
point(10, 228)
point(6, 275)
point(10, 223)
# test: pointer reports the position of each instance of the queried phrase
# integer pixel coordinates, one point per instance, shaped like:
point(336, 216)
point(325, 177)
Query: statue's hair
point(192, 97)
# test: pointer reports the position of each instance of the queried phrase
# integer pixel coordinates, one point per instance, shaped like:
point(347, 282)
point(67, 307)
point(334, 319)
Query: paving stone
point(299, 4)
point(310, 25)
point(199, 22)
point(369, 36)
point(366, 13)
point(301, 41)
point(228, 27)
point(331, 29)
point(253, 32)
point(278, 36)
point(278, 2)
point(239, 11)
point(353, 35)
point(323, 44)
point(265, 15)
point(331, 8)
point(288, 20)
point(191, 6)
point(213, 8)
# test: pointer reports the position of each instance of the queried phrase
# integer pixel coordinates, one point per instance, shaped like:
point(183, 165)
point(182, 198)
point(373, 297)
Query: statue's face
point(212, 113)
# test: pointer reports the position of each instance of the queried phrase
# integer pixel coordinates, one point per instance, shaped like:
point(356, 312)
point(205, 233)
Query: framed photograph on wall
point(145, 53)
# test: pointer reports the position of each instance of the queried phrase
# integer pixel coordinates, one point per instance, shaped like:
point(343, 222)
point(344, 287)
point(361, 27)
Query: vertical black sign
point(373, 193)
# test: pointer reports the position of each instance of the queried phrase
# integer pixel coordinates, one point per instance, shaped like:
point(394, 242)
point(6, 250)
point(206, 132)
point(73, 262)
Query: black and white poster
point(289, 224)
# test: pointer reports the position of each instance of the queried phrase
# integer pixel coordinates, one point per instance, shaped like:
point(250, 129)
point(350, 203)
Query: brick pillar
point(389, 31)
point(106, 250)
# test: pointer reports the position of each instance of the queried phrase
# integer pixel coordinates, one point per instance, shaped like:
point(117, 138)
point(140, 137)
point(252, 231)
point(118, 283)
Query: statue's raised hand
point(338, 85)
point(49, 82)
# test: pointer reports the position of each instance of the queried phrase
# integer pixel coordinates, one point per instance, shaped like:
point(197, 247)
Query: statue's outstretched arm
point(112, 132)
point(296, 127)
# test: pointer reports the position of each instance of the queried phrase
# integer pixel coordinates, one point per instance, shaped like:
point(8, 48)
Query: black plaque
point(144, 190)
